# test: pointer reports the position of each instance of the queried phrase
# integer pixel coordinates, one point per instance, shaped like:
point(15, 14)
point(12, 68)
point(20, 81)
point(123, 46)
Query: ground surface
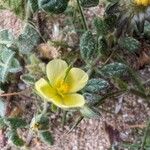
point(119, 121)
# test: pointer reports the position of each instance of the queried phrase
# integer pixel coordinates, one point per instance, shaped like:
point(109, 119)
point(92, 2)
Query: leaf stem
point(82, 15)
point(64, 118)
point(145, 136)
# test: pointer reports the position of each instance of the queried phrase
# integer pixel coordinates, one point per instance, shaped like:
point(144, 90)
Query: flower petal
point(50, 94)
point(76, 79)
point(44, 89)
point(73, 100)
point(55, 70)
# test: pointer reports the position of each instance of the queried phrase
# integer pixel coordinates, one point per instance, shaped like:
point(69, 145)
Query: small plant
point(80, 79)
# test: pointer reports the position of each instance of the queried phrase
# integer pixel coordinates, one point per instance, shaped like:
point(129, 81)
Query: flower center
point(62, 87)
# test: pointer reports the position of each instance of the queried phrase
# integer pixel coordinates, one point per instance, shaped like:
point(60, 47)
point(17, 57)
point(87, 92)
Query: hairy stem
point(82, 15)
point(145, 136)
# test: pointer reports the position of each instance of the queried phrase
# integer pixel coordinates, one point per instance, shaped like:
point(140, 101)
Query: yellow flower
point(62, 85)
point(142, 2)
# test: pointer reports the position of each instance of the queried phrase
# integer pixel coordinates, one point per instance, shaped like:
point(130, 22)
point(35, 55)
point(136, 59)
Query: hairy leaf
point(87, 46)
point(130, 44)
point(15, 139)
point(46, 137)
point(3, 107)
point(89, 3)
point(89, 112)
point(6, 38)
point(91, 99)
point(53, 6)
point(96, 85)
point(8, 64)
point(28, 40)
point(15, 123)
point(114, 70)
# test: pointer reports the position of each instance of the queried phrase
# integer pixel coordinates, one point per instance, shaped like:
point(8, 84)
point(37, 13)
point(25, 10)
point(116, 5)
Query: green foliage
point(6, 38)
point(28, 79)
point(130, 44)
point(15, 139)
point(8, 64)
point(102, 45)
point(96, 85)
point(91, 98)
point(89, 3)
point(90, 112)
point(87, 46)
point(46, 137)
point(2, 123)
point(15, 123)
point(114, 70)
point(2, 107)
point(40, 122)
point(53, 6)
point(100, 26)
point(34, 5)
point(28, 40)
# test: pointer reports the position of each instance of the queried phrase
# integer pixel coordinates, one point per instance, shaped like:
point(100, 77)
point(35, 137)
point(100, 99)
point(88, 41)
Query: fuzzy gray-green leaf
point(114, 70)
point(46, 137)
point(89, 3)
point(53, 6)
point(91, 99)
point(15, 123)
point(89, 112)
point(96, 85)
point(87, 46)
point(6, 38)
point(3, 107)
point(130, 44)
point(28, 40)
point(15, 139)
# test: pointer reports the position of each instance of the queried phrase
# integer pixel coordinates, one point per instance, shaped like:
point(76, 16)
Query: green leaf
point(15, 66)
point(15, 139)
point(8, 64)
point(6, 38)
point(6, 57)
point(15, 123)
point(96, 85)
point(87, 46)
point(130, 44)
point(40, 122)
point(46, 137)
point(2, 123)
point(91, 99)
point(89, 3)
point(3, 107)
point(28, 40)
point(34, 5)
point(89, 112)
point(100, 26)
point(114, 70)
point(53, 6)
point(28, 79)
point(102, 45)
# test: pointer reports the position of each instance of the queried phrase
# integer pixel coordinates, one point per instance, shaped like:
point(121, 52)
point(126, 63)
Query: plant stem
point(145, 136)
point(64, 118)
point(82, 15)
point(45, 106)
point(76, 124)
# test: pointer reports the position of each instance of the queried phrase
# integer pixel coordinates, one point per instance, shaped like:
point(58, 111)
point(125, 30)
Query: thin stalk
point(64, 118)
point(82, 15)
point(76, 124)
point(145, 136)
